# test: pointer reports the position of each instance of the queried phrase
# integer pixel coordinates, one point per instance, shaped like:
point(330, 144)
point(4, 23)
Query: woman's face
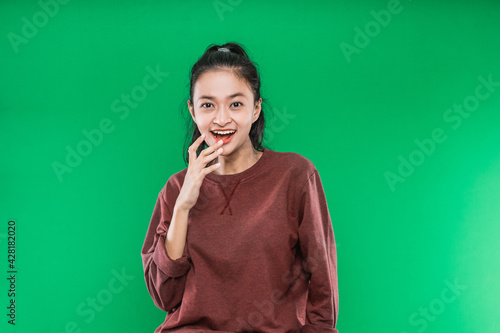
point(222, 102)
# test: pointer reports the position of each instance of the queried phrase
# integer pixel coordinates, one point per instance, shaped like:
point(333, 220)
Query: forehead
point(220, 84)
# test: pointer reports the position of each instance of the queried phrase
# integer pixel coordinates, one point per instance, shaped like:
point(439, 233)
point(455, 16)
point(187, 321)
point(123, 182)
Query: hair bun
point(231, 48)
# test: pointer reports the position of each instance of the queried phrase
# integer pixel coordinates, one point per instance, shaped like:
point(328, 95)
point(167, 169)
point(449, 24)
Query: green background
point(356, 117)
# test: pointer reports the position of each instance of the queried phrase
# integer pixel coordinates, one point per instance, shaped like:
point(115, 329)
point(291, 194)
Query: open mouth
point(225, 136)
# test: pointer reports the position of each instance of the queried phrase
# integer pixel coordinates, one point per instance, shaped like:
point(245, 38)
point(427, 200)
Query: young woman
point(241, 240)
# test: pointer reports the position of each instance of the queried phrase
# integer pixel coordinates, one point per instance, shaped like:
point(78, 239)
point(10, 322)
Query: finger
point(212, 148)
point(215, 154)
point(210, 168)
point(194, 147)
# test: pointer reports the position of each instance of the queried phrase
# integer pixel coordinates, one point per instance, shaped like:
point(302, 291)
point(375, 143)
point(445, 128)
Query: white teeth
point(224, 132)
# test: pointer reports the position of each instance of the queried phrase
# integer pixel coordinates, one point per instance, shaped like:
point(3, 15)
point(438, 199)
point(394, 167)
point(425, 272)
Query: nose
point(222, 117)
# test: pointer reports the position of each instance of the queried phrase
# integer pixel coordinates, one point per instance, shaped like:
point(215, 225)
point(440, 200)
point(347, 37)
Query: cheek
point(244, 119)
point(202, 122)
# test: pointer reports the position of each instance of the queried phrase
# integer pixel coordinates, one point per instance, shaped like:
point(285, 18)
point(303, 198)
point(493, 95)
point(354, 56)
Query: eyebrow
point(231, 96)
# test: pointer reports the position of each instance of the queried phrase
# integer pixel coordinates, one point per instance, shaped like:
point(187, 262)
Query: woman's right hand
point(197, 171)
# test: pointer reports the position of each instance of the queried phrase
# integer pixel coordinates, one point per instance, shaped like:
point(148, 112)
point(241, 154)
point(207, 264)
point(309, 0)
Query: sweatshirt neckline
point(237, 177)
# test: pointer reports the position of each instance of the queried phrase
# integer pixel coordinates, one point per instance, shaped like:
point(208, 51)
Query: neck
point(238, 161)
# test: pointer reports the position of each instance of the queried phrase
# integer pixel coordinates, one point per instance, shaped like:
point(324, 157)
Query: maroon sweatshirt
point(260, 252)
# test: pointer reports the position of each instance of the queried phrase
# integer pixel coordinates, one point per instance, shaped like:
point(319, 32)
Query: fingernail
point(220, 141)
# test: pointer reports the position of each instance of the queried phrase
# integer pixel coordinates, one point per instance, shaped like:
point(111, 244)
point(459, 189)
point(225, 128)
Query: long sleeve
point(165, 278)
point(317, 244)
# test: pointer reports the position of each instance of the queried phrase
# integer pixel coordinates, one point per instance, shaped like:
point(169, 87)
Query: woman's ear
point(191, 110)
point(257, 110)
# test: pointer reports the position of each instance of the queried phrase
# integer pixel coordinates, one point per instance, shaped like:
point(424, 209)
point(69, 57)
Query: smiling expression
point(224, 102)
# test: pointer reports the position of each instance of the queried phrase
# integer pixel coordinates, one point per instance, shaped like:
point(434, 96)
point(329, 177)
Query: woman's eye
point(204, 104)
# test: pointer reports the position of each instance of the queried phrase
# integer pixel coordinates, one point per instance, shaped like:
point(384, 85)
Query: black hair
point(238, 61)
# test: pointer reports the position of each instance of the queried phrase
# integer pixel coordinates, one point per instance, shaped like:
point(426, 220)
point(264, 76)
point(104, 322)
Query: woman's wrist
point(182, 207)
